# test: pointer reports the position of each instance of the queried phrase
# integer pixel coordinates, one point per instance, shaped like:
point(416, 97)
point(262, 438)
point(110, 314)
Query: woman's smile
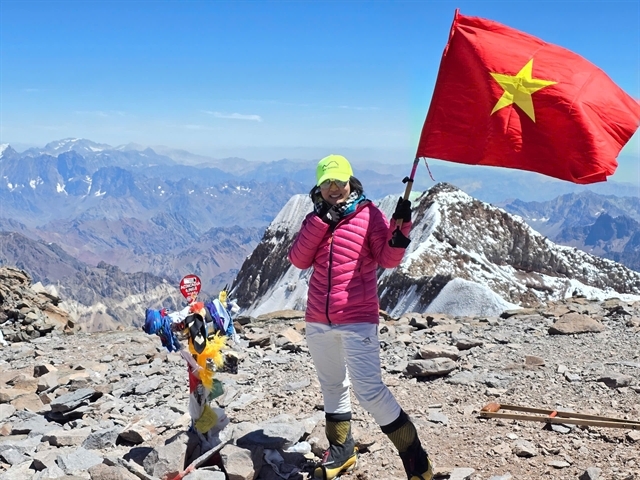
point(335, 194)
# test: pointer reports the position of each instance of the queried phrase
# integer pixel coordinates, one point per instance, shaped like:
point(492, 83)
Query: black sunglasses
point(327, 183)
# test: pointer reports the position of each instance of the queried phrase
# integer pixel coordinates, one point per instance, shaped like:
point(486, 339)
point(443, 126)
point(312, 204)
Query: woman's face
point(336, 192)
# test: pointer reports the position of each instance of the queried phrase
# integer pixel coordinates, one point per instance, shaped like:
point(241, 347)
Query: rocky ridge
point(458, 237)
point(28, 311)
point(96, 298)
point(606, 226)
point(115, 405)
point(454, 239)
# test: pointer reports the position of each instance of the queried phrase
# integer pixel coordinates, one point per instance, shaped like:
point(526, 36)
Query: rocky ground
point(115, 405)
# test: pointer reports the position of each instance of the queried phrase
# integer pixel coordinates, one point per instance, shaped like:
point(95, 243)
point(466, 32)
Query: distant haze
point(628, 162)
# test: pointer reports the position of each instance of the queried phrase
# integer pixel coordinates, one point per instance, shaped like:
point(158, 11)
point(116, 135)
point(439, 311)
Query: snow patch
point(50, 289)
point(292, 214)
point(420, 236)
point(409, 302)
point(464, 253)
point(463, 298)
point(592, 293)
point(3, 147)
point(290, 293)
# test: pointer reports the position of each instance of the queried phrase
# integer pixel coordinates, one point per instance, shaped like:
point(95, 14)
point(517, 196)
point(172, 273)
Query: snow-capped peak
point(465, 257)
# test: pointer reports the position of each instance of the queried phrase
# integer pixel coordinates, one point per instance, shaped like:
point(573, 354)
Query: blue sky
point(265, 79)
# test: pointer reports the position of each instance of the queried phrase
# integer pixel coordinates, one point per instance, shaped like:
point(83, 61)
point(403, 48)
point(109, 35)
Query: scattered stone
point(438, 417)
point(433, 367)
point(572, 377)
point(616, 380)
point(137, 417)
point(102, 439)
point(205, 475)
point(242, 463)
point(461, 473)
point(462, 378)
point(524, 448)
point(292, 386)
point(43, 369)
point(466, 343)
point(13, 456)
point(6, 411)
point(147, 386)
point(440, 351)
point(78, 461)
point(168, 460)
point(572, 323)
point(287, 337)
point(106, 472)
point(67, 438)
point(556, 427)
point(135, 434)
point(633, 436)
point(533, 361)
point(591, 473)
point(73, 400)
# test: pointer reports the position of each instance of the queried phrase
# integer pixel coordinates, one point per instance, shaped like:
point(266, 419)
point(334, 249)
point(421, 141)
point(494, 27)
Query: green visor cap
point(333, 167)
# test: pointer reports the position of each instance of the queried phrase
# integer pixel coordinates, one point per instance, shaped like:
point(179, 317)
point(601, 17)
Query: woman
point(345, 239)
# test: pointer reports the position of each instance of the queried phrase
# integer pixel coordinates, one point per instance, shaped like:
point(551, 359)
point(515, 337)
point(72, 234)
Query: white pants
point(351, 352)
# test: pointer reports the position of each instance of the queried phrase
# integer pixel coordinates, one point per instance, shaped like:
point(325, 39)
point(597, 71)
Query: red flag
point(508, 99)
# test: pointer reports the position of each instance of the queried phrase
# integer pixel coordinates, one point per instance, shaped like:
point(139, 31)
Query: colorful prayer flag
point(506, 98)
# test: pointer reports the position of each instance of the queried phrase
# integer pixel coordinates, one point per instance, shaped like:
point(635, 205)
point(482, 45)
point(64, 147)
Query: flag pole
point(407, 190)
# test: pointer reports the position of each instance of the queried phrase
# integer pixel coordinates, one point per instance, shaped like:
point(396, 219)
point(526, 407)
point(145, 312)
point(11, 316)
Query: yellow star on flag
point(518, 89)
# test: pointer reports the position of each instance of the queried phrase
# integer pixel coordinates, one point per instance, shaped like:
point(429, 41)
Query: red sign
point(190, 287)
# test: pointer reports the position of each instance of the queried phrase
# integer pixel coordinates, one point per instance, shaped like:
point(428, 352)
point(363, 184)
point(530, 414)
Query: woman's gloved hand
point(403, 210)
point(398, 240)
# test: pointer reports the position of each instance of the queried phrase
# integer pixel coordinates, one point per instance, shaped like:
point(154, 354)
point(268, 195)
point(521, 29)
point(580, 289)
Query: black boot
point(342, 455)
point(402, 432)
point(416, 462)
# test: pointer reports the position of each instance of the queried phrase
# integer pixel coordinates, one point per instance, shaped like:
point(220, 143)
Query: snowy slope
point(466, 258)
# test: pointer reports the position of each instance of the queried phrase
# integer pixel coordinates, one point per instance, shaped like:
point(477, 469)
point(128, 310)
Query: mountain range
point(466, 258)
point(99, 298)
point(604, 225)
point(131, 210)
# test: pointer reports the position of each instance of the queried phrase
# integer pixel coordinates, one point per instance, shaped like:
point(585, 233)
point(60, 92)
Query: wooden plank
point(556, 413)
point(559, 413)
point(564, 420)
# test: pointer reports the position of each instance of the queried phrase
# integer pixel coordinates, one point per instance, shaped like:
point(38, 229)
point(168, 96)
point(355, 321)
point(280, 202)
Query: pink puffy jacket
point(343, 285)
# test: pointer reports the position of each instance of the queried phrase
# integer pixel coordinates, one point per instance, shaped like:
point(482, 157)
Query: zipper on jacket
point(329, 276)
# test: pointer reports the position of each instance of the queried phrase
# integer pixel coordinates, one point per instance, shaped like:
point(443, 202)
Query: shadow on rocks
point(137, 454)
point(258, 442)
